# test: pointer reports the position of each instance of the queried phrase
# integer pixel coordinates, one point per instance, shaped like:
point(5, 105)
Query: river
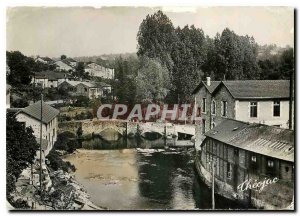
point(138, 176)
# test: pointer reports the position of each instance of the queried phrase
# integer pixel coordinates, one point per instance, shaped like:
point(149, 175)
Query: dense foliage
point(21, 147)
point(190, 56)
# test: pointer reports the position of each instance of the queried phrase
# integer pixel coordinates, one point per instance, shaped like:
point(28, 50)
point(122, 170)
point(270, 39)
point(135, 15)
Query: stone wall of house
point(223, 95)
point(204, 93)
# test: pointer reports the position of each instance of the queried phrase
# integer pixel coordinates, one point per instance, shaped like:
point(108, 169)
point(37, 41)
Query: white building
point(99, 71)
point(31, 117)
point(254, 101)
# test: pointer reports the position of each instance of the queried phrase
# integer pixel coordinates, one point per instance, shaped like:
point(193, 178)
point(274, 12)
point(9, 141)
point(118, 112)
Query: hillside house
point(97, 70)
point(45, 60)
point(31, 116)
point(64, 65)
point(243, 151)
point(88, 89)
point(49, 79)
point(254, 101)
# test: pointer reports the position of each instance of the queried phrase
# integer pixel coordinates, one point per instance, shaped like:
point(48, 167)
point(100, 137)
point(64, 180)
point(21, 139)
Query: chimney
point(208, 81)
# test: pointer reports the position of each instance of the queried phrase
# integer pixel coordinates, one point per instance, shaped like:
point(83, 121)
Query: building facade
point(99, 71)
point(254, 101)
point(31, 117)
point(88, 89)
point(49, 79)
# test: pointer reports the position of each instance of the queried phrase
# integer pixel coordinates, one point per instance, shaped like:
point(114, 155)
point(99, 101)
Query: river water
point(135, 175)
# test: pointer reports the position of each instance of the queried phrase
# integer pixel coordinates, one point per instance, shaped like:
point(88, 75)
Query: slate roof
point(88, 84)
point(211, 88)
point(51, 75)
point(262, 139)
point(34, 111)
point(258, 89)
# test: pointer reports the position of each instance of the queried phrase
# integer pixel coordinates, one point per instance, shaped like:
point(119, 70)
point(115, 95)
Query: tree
point(124, 84)
point(62, 57)
point(189, 55)
point(80, 72)
point(20, 73)
point(19, 103)
point(155, 38)
point(153, 80)
point(21, 147)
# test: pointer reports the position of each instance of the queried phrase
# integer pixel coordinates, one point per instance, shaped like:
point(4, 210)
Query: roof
point(211, 88)
point(34, 111)
point(71, 60)
point(262, 139)
point(88, 84)
point(257, 89)
point(51, 75)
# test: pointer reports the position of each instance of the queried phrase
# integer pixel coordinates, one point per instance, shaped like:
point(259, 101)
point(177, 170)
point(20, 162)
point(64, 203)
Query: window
point(85, 89)
point(253, 109)
point(276, 108)
point(203, 126)
point(213, 125)
point(229, 172)
point(224, 108)
point(253, 158)
point(204, 105)
point(287, 169)
point(270, 163)
point(213, 107)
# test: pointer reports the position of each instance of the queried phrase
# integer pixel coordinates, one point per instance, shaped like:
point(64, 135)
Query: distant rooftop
point(86, 83)
point(262, 139)
point(51, 75)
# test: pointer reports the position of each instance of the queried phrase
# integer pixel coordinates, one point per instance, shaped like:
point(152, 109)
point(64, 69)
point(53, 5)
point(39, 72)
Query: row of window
point(276, 109)
point(253, 108)
point(213, 107)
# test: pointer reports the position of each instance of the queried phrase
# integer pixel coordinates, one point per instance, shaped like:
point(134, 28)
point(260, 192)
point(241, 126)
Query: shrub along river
point(142, 175)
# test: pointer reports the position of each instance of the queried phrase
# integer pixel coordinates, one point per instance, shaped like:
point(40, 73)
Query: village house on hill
point(255, 101)
point(49, 79)
point(45, 60)
point(87, 89)
point(248, 151)
point(97, 70)
point(64, 65)
point(30, 116)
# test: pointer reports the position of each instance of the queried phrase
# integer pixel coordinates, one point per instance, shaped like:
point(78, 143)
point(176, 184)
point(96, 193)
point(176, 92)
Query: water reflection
point(140, 175)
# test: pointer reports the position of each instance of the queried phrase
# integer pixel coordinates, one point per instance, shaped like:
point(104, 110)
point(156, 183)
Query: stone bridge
point(125, 128)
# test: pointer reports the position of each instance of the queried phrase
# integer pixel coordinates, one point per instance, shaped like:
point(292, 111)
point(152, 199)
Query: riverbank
point(61, 192)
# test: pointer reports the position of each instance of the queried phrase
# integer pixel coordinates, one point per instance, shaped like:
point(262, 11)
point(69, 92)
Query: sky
point(88, 31)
